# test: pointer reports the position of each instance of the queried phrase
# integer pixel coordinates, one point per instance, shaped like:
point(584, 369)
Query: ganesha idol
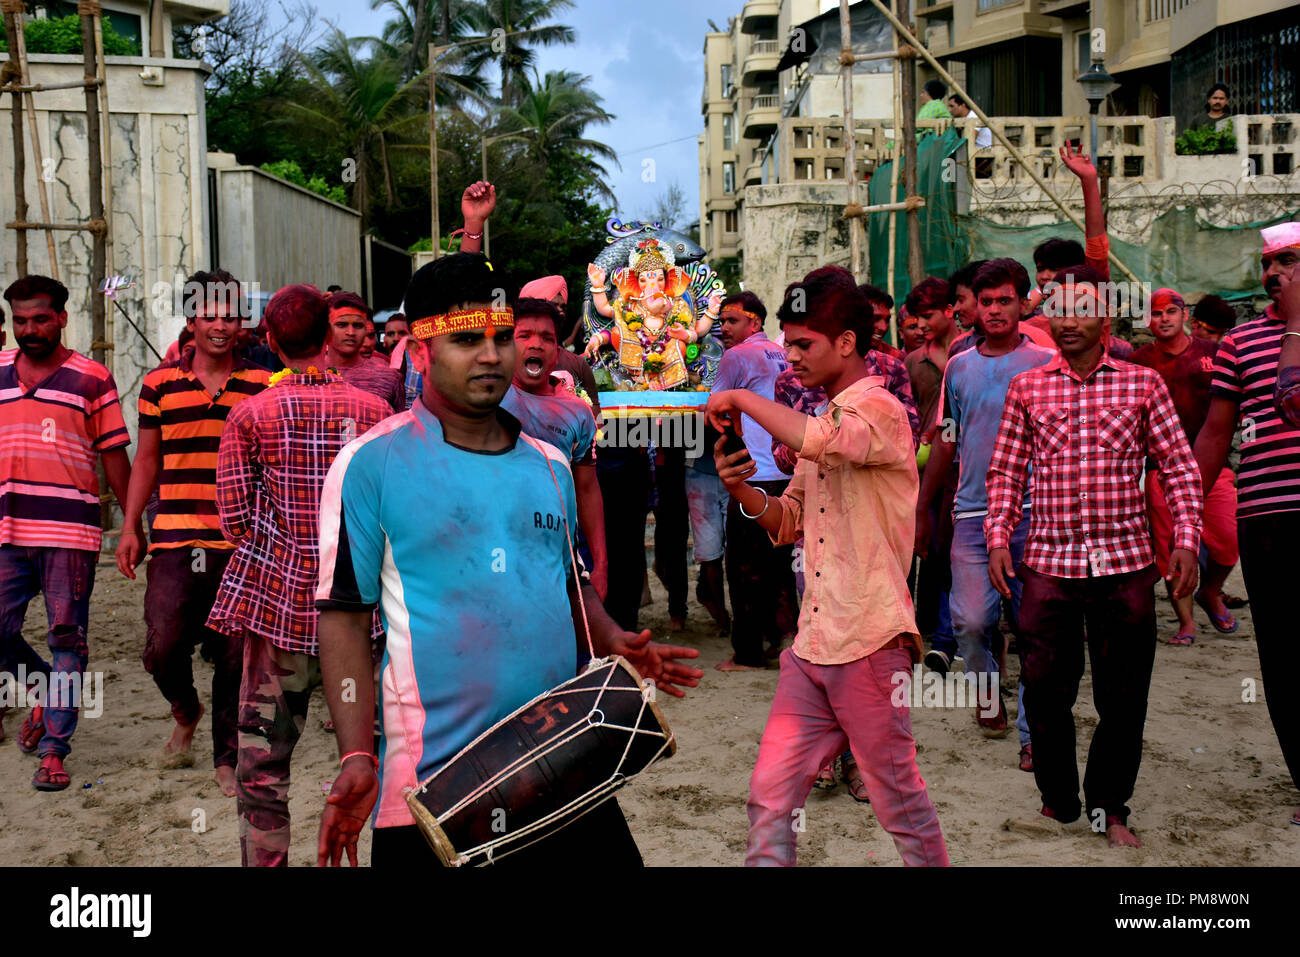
point(655, 331)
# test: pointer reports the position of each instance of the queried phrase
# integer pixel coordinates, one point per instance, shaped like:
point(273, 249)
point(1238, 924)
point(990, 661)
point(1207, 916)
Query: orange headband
point(744, 312)
point(349, 311)
point(463, 320)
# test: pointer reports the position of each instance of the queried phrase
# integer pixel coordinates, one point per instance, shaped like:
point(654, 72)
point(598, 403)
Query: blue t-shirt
point(562, 419)
point(974, 391)
point(754, 365)
point(466, 555)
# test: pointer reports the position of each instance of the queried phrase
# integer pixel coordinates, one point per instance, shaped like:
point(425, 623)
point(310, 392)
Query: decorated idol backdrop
point(651, 308)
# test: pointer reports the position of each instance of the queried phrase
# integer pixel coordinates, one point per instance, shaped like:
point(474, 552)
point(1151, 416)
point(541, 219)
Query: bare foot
point(676, 623)
point(1121, 836)
point(176, 752)
point(1295, 818)
point(225, 778)
point(730, 665)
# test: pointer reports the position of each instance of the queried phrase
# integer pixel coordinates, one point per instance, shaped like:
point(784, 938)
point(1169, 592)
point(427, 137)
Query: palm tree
point(527, 19)
point(556, 113)
point(366, 104)
point(412, 28)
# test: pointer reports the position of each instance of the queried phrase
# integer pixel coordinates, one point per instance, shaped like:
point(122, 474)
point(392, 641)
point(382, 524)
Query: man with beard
point(478, 593)
point(1187, 366)
point(58, 411)
point(1268, 482)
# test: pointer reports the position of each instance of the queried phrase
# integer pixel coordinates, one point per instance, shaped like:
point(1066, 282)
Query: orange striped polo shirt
point(49, 438)
point(173, 400)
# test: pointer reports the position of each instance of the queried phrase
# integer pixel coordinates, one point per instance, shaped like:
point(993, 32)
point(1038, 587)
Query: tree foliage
point(63, 35)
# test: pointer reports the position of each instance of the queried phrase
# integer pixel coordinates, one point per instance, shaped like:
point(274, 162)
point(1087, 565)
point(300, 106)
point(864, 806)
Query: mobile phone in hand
point(734, 443)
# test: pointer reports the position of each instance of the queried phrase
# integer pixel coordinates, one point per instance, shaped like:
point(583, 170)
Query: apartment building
point(775, 60)
point(1022, 57)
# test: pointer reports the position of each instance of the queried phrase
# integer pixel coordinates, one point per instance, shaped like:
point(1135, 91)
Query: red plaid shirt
point(1087, 440)
point(275, 451)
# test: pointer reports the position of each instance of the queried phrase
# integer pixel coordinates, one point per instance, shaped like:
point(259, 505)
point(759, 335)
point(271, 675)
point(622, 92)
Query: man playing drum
point(477, 589)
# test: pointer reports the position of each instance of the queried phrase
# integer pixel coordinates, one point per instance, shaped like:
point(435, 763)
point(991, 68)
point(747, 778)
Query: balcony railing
point(1164, 9)
point(990, 4)
point(765, 46)
point(765, 101)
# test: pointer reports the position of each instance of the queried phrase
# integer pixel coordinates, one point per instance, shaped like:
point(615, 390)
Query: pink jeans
point(817, 709)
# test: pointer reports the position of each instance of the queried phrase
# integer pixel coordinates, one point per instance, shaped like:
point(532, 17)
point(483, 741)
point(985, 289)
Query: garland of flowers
point(277, 377)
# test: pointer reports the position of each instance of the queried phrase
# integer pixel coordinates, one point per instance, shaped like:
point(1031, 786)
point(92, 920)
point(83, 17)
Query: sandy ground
point(1212, 790)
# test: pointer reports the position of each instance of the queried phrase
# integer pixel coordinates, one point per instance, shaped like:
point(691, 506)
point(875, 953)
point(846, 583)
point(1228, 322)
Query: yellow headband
point(744, 312)
point(463, 320)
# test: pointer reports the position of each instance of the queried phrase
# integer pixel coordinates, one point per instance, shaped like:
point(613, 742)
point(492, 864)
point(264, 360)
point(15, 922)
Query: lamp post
point(1097, 85)
point(483, 145)
point(436, 51)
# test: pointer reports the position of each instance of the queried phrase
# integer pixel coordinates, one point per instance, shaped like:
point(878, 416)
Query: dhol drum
point(544, 766)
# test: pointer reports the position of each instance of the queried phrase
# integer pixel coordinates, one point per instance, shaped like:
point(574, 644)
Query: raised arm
point(476, 205)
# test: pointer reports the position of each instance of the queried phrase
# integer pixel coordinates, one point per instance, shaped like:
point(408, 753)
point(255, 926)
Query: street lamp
point(436, 51)
point(1097, 85)
point(487, 226)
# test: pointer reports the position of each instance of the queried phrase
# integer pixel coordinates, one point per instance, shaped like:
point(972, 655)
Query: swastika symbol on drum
point(552, 708)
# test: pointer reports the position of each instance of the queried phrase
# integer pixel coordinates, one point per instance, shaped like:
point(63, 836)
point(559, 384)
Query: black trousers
point(1268, 563)
point(1118, 612)
point(672, 525)
point(624, 476)
point(760, 578)
point(600, 836)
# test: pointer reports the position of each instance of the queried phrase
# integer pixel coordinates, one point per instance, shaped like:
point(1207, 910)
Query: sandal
point(1224, 624)
point(828, 777)
point(857, 787)
point(33, 729)
point(50, 779)
point(1183, 638)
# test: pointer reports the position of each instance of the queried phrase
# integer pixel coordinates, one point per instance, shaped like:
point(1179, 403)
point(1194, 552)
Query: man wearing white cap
point(1246, 379)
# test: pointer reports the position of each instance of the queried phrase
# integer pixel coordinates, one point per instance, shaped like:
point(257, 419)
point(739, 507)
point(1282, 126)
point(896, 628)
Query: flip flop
point(857, 787)
point(1223, 624)
point(32, 730)
point(1183, 638)
point(827, 778)
point(47, 779)
point(1234, 601)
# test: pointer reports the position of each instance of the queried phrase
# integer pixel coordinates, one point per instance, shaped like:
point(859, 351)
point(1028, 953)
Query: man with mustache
point(58, 411)
point(1086, 423)
point(1187, 365)
point(558, 417)
point(1245, 390)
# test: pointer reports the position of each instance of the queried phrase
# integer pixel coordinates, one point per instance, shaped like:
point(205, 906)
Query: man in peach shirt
point(852, 500)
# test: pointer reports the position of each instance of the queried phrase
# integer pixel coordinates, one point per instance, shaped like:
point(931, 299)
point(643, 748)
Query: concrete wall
point(159, 195)
point(274, 233)
point(791, 229)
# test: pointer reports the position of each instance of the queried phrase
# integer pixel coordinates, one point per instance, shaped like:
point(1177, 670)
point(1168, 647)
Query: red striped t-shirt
point(1245, 372)
point(49, 437)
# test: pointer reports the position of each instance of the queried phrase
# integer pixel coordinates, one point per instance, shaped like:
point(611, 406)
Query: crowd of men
point(430, 529)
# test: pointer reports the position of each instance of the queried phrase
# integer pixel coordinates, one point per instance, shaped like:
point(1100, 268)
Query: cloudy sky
point(646, 59)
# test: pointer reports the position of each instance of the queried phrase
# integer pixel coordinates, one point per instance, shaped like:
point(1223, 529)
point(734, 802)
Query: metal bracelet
point(766, 502)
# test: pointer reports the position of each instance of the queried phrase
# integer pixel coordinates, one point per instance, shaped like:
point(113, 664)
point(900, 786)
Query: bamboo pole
point(893, 192)
point(907, 72)
point(20, 153)
point(20, 51)
point(107, 127)
point(957, 88)
point(99, 241)
point(850, 140)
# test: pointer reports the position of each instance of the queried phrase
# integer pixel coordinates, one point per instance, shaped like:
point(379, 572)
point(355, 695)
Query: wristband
point(1296, 334)
point(766, 502)
point(353, 754)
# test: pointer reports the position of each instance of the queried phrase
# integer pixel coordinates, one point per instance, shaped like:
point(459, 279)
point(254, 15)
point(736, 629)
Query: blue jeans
point(66, 577)
point(976, 605)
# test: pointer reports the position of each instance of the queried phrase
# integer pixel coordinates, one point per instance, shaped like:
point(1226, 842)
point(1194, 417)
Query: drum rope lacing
point(601, 792)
